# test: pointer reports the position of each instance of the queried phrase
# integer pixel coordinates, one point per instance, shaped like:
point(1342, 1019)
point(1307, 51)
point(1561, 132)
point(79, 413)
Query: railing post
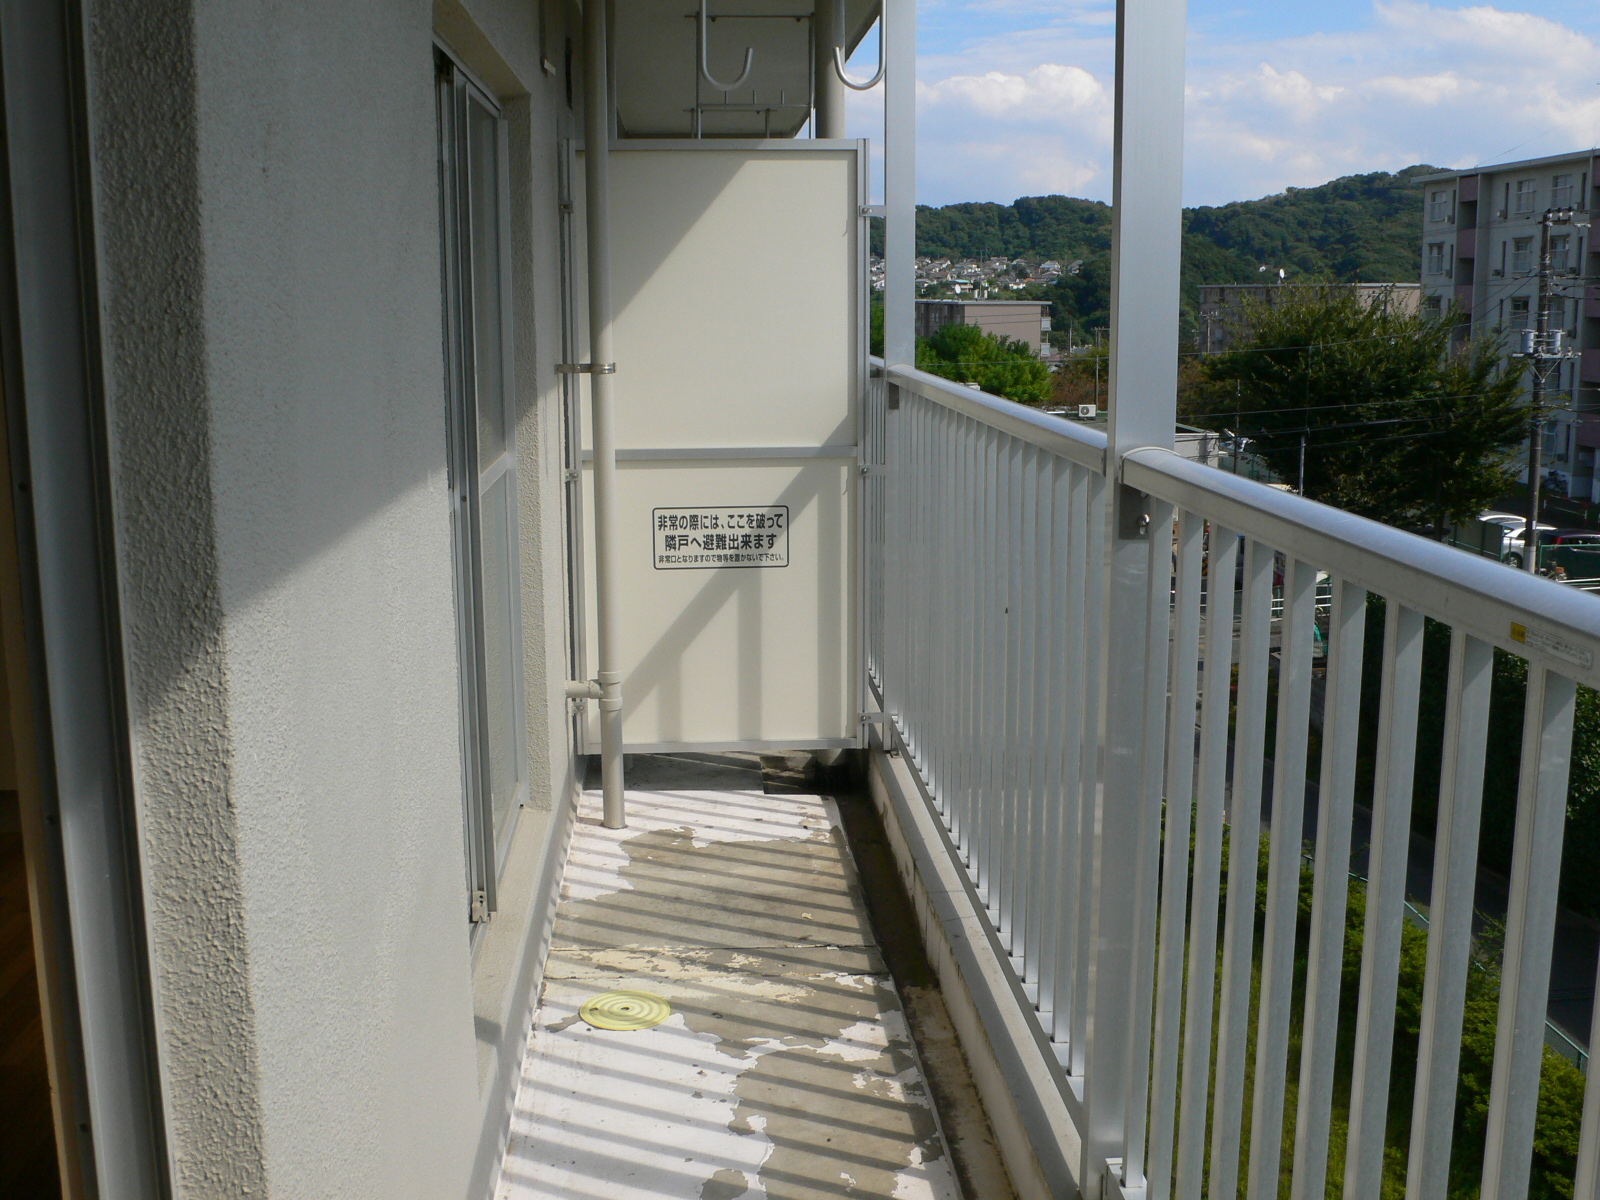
point(1146, 242)
point(899, 28)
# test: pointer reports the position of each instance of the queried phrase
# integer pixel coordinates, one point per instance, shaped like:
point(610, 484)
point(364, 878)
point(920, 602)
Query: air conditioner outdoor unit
point(1087, 412)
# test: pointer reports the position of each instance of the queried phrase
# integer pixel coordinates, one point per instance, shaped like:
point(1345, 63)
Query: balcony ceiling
point(656, 71)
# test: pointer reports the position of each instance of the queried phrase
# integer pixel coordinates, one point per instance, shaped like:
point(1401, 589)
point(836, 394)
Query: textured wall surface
point(319, 195)
point(152, 279)
point(268, 208)
point(269, 199)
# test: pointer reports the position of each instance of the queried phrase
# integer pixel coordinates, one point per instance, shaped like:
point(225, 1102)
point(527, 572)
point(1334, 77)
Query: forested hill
point(1361, 227)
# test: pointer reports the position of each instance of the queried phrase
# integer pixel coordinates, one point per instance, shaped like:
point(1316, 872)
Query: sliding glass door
point(481, 422)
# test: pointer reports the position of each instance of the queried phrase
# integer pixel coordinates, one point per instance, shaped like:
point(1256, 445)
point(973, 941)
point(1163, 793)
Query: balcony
point(381, 699)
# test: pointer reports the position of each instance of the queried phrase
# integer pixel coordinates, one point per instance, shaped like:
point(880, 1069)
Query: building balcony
point(436, 532)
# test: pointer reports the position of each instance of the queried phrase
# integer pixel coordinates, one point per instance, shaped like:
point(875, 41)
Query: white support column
point(1147, 197)
point(900, 182)
point(827, 33)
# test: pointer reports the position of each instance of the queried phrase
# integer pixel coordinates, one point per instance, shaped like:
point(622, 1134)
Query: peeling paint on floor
point(785, 1072)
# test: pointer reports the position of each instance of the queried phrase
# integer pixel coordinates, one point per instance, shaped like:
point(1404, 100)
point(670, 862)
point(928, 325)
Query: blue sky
point(1015, 95)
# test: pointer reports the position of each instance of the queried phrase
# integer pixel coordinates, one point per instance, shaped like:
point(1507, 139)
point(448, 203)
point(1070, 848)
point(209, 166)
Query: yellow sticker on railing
point(1556, 647)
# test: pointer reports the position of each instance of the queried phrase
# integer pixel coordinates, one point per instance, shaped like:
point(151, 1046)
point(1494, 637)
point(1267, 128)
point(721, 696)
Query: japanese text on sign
point(701, 538)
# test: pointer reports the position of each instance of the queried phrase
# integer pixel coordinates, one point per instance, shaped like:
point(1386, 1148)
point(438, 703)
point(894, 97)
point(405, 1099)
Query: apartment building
point(1026, 321)
point(1221, 320)
point(1480, 262)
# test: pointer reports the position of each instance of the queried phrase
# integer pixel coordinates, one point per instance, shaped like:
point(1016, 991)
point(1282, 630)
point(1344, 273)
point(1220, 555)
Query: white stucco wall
point(269, 221)
point(319, 193)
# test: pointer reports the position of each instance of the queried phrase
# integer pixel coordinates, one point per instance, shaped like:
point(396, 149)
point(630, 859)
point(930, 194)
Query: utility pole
point(1542, 351)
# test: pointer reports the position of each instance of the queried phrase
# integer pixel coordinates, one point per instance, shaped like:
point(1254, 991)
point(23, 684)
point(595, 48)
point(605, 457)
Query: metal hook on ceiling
point(705, 55)
point(838, 56)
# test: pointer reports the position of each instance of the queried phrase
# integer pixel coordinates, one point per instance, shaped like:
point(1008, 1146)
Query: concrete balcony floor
point(785, 1070)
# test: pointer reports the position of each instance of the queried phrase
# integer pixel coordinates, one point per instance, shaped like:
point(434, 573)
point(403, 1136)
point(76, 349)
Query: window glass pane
point(488, 360)
point(499, 651)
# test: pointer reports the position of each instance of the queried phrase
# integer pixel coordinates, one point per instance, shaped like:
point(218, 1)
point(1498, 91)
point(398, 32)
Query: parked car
point(1577, 537)
point(1516, 528)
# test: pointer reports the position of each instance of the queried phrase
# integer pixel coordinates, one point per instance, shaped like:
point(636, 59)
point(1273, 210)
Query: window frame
point(1526, 196)
point(1557, 187)
point(1435, 258)
point(1560, 250)
point(471, 482)
point(1521, 255)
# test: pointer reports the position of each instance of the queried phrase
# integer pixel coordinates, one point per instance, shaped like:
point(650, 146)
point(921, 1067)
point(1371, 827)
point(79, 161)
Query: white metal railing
point(987, 642)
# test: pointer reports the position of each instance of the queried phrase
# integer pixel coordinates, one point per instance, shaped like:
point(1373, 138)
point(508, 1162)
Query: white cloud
point(1027, 110)
point(1048, 92)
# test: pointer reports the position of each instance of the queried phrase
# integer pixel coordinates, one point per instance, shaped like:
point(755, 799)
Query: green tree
point(998, 365)
point(1396, 425)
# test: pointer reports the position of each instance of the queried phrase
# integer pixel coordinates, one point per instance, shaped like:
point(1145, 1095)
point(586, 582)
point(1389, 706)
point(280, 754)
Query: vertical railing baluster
point(1530, 932)
point(1244, 827)
point(1094, 621)
point(953, 619)
point(1386, 884)
point(1586, 1181)
point(1055, 592)
point(1024, 533)
point(957, 629)
point(1069, 844)
point(1180, 766)
point(1146, 895)
point(933, 546)
point(1283, 877)
point(1006, 692)
point(917, 608)
point(1341, 713)
point(1199, 1001)
point(967, 532)
point(993, 662)
point(1455, 871)
point(1039, 716)
point(1016, 472)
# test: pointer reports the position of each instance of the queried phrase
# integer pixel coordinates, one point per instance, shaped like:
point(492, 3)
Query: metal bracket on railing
point(1133, 514)
point(586, 368)
point(873, 210)
point(874, 718)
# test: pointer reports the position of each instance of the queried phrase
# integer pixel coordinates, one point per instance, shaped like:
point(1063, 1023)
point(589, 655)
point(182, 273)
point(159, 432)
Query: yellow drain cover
point(625, 1010)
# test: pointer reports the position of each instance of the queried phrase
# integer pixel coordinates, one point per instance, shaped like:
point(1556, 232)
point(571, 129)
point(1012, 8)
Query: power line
point(1293, 408)
point(1583, 109)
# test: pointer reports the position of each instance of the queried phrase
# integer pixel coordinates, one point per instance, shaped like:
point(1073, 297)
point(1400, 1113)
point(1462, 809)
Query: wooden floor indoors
point(27, 1137)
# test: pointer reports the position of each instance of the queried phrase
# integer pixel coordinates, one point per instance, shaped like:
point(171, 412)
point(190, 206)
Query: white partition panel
point(739, 273)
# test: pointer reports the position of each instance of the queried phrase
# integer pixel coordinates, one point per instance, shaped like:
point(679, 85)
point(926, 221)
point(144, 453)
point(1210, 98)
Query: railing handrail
point(1562, 625)
point(1086, 447)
